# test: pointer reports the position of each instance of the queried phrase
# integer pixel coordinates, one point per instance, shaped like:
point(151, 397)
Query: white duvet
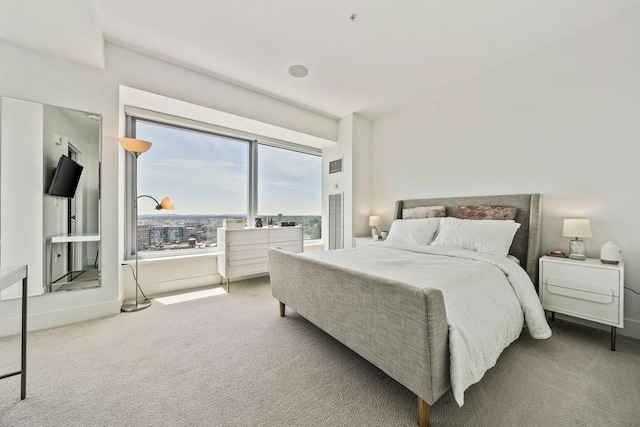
point(487, 299)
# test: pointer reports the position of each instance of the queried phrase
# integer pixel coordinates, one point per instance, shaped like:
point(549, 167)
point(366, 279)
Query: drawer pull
point(582, 286)
point(250, 261)
point(247, 247)
point(575, 293)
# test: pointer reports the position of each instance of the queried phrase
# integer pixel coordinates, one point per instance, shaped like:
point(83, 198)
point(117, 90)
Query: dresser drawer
point(243, 246)
point(247, 266)
point(598, 307)
point(261, 253)
point(285, 234)
point(247, 235)
point(588, 279)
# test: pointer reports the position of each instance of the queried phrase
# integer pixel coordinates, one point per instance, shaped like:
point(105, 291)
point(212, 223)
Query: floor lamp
point(137, 147)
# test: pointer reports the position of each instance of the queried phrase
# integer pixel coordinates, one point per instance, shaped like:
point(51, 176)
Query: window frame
point(133, 115)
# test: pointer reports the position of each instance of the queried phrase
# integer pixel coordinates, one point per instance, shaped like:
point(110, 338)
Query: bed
point(404, 307)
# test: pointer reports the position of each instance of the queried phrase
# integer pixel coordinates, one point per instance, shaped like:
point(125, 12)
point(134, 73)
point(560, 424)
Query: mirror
point(50, 195)
point(70, 212)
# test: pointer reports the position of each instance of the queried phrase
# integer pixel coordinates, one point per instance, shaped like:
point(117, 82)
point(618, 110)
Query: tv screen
point(65, 178)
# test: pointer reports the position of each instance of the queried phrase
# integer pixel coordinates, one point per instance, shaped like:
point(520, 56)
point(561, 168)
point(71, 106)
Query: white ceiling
point(394, 53)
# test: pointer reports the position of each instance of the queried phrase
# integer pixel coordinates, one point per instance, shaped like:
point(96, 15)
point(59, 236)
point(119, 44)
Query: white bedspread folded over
point(487, 298)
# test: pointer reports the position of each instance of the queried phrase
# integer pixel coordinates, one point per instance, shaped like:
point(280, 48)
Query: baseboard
point(173, 285)
point(631, 326)
point(67, 316)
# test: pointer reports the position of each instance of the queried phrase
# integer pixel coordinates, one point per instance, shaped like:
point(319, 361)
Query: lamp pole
point(136, 306)
point(137, 147)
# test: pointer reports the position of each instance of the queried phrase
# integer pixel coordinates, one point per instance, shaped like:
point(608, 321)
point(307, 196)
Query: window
point(290, 183)
point(210, 177)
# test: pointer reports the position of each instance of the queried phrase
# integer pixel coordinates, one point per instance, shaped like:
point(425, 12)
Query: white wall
point(34, 76)
point(354, 182)
point(339, 182)
point(563, 122)
point(363, 169)
point(20, 212)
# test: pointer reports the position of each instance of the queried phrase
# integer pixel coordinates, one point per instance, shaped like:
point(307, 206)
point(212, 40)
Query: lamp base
point(577, 247)
point(130, 308)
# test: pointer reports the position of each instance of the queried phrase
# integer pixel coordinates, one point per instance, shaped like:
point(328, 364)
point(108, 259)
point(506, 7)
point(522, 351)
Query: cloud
point(206, 174)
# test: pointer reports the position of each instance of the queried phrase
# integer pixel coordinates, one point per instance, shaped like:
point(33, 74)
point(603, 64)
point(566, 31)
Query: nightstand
point(585, 289)
point(364, 241)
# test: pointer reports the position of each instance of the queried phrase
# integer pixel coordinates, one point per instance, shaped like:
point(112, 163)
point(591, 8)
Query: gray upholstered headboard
point(526, 243)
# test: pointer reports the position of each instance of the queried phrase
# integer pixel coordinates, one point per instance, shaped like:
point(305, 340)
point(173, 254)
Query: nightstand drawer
point(587, 279)
point(586, 305)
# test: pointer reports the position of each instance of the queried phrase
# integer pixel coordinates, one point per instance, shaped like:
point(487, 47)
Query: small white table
point(586, 289)
point(364, 241)
point(67, 238)
point(8, 277)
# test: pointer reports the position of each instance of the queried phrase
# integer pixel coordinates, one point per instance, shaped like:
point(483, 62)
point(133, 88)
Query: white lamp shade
point(576, 227)
point(374, 221)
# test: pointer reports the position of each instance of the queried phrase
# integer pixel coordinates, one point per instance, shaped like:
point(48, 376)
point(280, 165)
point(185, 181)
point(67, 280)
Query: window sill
point(163, 258)
point(212, 254)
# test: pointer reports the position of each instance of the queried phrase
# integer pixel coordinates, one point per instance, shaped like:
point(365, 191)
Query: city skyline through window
point(207, 178)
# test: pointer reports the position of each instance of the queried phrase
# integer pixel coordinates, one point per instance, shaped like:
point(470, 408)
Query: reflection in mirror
point(49, 196)
point(71, 200)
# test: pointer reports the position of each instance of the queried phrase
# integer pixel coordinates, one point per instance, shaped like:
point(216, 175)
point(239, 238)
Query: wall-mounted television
point(65, 178)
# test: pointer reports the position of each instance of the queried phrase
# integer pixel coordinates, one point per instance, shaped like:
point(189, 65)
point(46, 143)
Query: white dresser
point(586, 289)
point(246, 251)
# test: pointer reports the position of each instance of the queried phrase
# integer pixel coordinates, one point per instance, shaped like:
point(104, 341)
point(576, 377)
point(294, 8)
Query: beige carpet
point(230, 360)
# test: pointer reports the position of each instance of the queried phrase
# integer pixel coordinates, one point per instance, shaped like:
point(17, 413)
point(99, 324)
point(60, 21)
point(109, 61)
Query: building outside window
point(208, 178)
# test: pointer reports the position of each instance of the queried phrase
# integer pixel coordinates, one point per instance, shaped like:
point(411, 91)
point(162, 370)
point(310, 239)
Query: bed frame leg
point(424, 410)
point(281, 308)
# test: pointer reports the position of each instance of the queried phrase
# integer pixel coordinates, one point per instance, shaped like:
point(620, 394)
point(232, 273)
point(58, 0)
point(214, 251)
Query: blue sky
point(205, 174)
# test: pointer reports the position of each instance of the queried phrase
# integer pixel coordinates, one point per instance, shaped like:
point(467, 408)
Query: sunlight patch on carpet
point(174, 299)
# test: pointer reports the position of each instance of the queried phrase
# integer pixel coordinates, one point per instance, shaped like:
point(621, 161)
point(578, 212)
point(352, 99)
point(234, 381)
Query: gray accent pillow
point(424, 212)
point(487, 212)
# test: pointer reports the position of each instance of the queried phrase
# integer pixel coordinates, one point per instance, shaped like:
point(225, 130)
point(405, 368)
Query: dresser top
point(590, 262)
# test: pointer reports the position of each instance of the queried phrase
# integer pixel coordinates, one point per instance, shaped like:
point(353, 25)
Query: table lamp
point(374, 222)
point(576, 228)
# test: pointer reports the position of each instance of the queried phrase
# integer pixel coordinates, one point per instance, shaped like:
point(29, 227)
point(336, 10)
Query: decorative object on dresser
point(374, 222)
point(137, 147)
point(610, 253)
point(245, 251)
point(576, 228)
point(585, 289)
point(258, 222)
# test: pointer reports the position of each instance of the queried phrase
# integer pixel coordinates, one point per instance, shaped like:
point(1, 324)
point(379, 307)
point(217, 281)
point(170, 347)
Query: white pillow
point(488, 236)
point(420, 231)
point(514, 259)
